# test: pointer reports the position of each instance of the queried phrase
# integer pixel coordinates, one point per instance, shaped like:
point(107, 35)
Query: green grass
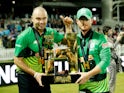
point(64, 88)
point(120, 83)
point(9, 89)
point(67, 88)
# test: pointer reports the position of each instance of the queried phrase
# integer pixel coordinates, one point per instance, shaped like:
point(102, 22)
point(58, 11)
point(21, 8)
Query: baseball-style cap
point(84, 12)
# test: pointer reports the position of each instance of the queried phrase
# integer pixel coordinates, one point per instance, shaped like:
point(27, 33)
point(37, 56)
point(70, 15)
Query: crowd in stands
point(9, 29)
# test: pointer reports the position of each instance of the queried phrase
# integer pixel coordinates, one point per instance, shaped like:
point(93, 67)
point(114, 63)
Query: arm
point(101, 66)
point(20, 63)
point(20, 47)
point(105, 54)
point(68, 23)
point(85, 76)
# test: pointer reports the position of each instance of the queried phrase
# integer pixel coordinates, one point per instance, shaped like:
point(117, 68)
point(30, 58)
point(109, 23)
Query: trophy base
point(52, 79)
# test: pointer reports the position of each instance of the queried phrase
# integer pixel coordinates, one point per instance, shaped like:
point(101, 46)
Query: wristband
point(35, 75)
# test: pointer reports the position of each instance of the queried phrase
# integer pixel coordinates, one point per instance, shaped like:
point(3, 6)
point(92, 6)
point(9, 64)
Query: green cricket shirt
point(98, 49)
point(27, 41)
point(101, 54)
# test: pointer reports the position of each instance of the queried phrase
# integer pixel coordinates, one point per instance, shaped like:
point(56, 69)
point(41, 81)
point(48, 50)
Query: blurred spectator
point(11, 26)
point(4, 34)
point(107, 30)
point(120, 48)
point(122, 28)
point(117, 27)
point(2, 23)
point(98, 29)
point(8, 38)
point(18, 27)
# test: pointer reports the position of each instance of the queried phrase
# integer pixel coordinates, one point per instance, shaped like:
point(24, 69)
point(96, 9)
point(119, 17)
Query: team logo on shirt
point(35, 42)
point(92, 45)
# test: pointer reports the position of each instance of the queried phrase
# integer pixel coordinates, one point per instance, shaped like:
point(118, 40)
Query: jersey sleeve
point(105, 54)
point(57, 36)
point(20, 45)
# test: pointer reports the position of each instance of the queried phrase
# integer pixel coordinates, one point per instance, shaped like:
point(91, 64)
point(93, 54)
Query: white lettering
point(8, 74)
point(13, 74)
point(5, 75)
point(66, 65)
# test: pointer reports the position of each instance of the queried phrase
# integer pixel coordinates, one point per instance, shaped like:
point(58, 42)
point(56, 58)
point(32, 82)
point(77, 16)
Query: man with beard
point(29, 50)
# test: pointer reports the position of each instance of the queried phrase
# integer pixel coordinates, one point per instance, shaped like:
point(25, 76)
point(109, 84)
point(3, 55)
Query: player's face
point(39, 19)
point(84, 24)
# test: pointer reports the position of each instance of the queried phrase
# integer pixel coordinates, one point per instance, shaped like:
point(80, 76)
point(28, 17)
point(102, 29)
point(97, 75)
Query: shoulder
point(99, 36)
point(51, 31)
point(100, 39)
point(26, 33)
point(48, 29)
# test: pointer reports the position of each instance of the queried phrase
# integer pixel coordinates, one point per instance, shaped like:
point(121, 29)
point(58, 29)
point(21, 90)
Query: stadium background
point(23, 8)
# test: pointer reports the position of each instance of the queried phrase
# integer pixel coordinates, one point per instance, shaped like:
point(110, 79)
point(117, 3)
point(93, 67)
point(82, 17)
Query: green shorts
point(96, 86)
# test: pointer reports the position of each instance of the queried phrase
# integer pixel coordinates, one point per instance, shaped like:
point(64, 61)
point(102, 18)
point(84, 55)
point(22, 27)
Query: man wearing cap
point(94, 56)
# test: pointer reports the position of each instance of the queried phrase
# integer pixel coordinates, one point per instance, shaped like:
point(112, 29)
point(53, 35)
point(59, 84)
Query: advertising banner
point(8, 74)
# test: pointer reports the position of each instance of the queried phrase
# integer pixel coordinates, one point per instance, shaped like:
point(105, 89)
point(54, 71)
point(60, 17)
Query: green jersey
point(93, 50)
point(27, 41)
point(98, 49)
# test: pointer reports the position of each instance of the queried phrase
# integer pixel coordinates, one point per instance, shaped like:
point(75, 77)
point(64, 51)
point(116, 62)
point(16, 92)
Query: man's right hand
point(67, 21)
point(38, 77)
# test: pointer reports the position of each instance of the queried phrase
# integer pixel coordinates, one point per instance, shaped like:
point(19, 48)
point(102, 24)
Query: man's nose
point(82, 27)
point(41, 21)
